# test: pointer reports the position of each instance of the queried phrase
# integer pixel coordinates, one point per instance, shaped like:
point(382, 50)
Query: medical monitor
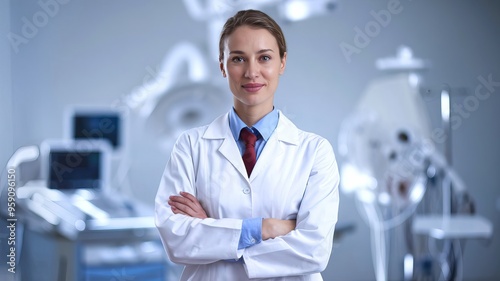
point(84, 123)
point(71, 165)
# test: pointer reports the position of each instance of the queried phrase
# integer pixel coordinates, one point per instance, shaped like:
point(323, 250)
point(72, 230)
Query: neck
point(251, 115)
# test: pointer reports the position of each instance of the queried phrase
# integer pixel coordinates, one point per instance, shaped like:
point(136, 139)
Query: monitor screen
point(75, 170)
point(97, 126)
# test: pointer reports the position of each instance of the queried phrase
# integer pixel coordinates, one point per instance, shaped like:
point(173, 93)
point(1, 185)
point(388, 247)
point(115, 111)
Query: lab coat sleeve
point(307, 249)
point(190, 240)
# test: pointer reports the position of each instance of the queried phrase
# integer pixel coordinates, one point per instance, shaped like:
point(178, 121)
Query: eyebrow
point(259, 52)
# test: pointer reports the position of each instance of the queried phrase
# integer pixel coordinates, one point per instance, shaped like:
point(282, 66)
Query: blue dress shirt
point(251, 230)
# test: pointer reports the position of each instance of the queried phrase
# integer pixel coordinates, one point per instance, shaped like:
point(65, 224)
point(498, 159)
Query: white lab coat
point(295, 177)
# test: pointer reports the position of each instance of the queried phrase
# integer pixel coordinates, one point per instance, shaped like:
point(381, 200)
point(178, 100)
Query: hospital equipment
point(108, 123)
point(98, 122)
point(399, 178)
point(72, 226)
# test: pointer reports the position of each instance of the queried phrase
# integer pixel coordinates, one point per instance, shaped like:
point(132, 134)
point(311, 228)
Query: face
point(252, 65)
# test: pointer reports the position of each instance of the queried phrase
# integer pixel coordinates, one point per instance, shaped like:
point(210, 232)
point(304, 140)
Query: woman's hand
point(187, 204)
point(272, 228)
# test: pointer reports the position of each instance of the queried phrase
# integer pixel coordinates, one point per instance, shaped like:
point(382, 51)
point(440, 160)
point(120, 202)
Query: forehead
point(249, 38)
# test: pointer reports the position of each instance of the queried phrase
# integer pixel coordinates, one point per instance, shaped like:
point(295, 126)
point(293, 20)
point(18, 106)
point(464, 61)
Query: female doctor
point(249, 195)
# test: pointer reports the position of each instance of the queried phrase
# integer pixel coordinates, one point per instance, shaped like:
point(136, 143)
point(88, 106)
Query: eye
point(237, 59)
point(265, 58)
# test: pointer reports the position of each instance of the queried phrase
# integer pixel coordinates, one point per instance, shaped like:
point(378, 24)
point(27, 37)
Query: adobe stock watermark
point(31, 26)
point(463, 110)
point(11, 220)
point(154, 81)
point(363, 37)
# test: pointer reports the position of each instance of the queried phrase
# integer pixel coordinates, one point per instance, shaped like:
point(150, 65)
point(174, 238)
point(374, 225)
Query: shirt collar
point(265, 126)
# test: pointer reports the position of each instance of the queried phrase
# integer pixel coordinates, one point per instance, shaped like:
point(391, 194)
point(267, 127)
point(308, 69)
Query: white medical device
point(390, 160)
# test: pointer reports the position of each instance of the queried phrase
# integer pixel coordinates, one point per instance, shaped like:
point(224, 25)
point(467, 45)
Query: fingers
point(185, 199)
point(190, 197)
point(181, 204)
point(177, 211)
point(196, 204)
point(186, 204)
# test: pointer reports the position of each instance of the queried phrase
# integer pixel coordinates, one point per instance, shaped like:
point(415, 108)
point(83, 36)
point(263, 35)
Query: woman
point(230, 209)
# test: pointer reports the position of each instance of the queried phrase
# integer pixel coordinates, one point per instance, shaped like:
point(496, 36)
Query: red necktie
point(249, 156)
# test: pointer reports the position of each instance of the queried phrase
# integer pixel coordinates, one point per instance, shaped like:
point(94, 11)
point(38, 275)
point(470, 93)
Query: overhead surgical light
point(145, 97)
point(181, 95)
point(296, 10)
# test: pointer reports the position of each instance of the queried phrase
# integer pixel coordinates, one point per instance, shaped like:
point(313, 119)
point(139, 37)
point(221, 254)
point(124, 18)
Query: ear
point(222, 70)
point(283, 64)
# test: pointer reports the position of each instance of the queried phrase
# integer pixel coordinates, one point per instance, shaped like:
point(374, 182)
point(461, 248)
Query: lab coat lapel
point(231, 152)
point(272, 151)
point(219, 129)
point(286, 133)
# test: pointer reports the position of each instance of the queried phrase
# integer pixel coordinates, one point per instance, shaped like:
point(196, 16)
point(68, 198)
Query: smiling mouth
point(252, 87)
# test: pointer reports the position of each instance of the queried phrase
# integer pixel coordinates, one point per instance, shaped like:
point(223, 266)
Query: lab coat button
point(246, 190)
point(253, 241)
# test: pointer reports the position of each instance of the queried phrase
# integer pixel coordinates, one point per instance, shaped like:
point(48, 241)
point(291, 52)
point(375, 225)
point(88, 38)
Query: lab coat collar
point(286, 132)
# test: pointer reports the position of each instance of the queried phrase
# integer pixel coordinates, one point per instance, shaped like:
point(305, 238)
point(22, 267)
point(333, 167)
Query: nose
point(252, 70)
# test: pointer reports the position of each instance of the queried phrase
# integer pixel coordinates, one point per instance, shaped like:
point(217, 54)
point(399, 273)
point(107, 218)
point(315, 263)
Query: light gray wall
point(93, 52)
point(6, 141)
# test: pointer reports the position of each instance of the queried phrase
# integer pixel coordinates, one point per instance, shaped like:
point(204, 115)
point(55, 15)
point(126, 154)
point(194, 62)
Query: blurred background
point(126, 55)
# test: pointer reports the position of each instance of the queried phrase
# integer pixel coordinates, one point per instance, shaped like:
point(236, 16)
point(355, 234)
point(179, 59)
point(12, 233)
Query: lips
point(252, 87)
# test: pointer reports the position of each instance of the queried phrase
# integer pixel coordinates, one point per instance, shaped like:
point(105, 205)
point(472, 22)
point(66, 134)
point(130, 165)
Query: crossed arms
point(188, 205)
